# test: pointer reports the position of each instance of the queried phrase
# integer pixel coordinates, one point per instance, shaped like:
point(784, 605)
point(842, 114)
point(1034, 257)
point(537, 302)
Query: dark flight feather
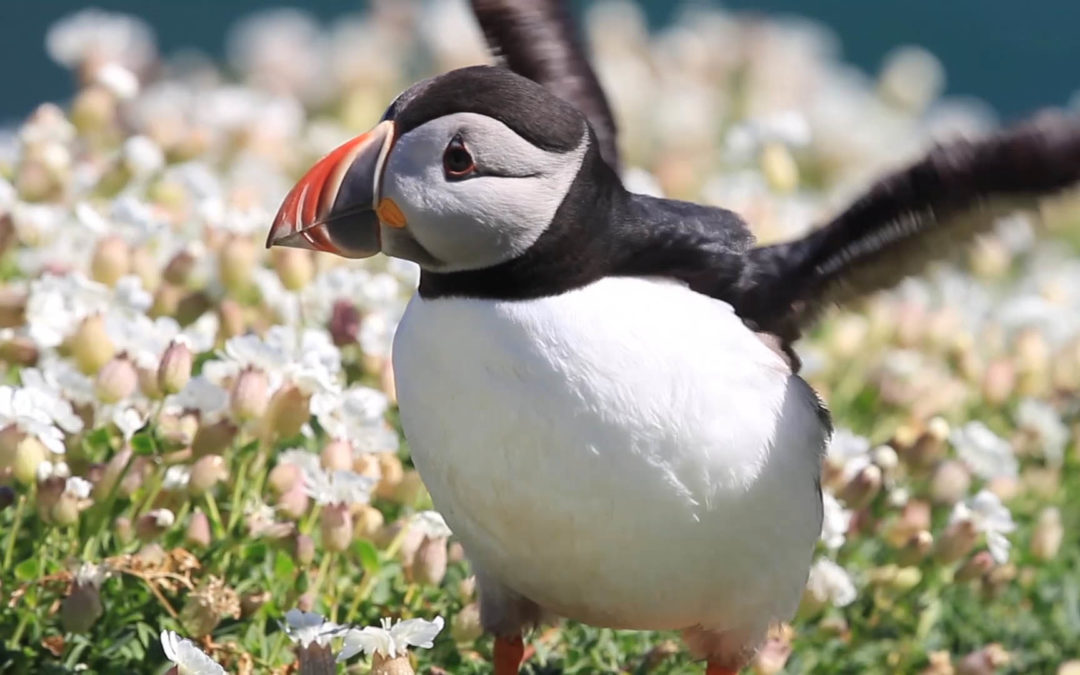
point(537, 40)
point(907, 219)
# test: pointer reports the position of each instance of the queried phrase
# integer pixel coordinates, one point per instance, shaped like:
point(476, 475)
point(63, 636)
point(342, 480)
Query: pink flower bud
point(293, 503)
point(91, 346)
point(111, 260)
point(117, 380)
point(66, 509)
point(148, 383)
point(250, 395)
point(20, 351)
point(986, 661)
point(336, 525)
point(283, 477)
point(976, 567)
point(153, 524)
point(123, 529)
point(337, 456)
point(179, 268)
point(303, 549)
point(231, 319)
point(174, 371)
point(383, 665)
point(198, 530)
point(429, 565)
point(344, 323)
point(917, 547)
point(862, 489)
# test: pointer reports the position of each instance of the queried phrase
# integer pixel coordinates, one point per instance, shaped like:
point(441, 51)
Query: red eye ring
point(457, 160)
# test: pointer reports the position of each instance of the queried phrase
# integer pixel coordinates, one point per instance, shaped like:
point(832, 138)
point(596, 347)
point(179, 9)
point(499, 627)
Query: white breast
point(627, 454)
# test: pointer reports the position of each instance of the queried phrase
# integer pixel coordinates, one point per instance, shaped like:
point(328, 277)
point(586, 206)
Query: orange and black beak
point(333, 208)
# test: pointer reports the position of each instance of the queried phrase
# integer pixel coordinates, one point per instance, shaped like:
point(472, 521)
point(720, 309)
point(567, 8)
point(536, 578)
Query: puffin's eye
point(457, 161)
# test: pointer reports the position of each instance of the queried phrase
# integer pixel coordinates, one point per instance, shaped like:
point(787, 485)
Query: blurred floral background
point(200, 462)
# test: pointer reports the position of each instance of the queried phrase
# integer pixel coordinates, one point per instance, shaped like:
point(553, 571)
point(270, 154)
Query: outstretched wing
point(907, 219)
point(537, 40)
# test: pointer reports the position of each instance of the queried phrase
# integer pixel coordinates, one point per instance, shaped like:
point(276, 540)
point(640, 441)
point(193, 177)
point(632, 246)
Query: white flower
point(432, 524)
point(44, 393)
point(176, 478)
point(356, 416)
point(78, 487)
point(307, 628)
point(20, 408)
point(307, 462)
point(119, 80)
point(390, 640)
point(162, 517)
point(311, 362)
point(828, 582)
point(128, 421)
point(848, 451)
point(202, 395)
point(100, 36)
point(338, 487)
point(835, 522)
point(188, 659)
point(47, 470)
point(990, 517)
point(986, 454)
point(1045, 423)
point(90, 574)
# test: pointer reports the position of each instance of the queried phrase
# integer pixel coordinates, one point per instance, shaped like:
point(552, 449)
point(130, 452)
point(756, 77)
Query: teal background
point(1019, 56)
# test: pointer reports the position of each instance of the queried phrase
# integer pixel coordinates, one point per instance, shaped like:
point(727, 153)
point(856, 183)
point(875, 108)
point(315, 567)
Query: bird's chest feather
point(630, 413)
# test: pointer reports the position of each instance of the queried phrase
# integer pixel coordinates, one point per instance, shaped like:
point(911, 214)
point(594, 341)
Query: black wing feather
point(906, 220)
point(537, 40)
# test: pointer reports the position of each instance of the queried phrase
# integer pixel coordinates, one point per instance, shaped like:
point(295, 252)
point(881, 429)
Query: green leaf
point(283, 566)
point(142, 444)
point(368, 555)
point(27, 570)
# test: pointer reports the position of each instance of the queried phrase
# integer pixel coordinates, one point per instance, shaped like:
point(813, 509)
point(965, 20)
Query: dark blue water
point(1019, 56)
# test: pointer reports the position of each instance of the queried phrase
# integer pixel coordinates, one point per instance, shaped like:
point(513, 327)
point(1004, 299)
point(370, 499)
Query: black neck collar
point(602, 230)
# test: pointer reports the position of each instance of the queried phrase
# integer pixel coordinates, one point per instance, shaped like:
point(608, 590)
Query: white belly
point(627, 454)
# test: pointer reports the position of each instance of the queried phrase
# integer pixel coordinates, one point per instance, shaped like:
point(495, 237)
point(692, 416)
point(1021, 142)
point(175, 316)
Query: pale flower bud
point(344, 323)
point(295, 267)
point(174, 371)
point(66, 509)
point(917, 547)
point(123, 529)
point(90, 345)
point(148, 383)
point(465, 627)
point(950, 482)
point(367, 521)
point(116, 381)
point(399, 665)
point(198, 530)
point(111, 260)
point(367, 464)
point(286, 413)
point(999, 382)
point(166, 302)
point(862, 489)
point(337, 456)
point(335, 523)
point(206, 472)
point(29, 455)
point(411, 489)
point(1048, 535)
point(957, 541)
point(779, 167)
point(19, 350)
point(213, 439)
point(391, 473)
point(236, 261)
point(153, 524)
point(250, 395)
point(231, 320)
point(179, 268)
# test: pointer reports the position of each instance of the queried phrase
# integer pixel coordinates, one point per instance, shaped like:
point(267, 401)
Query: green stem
point(238, 493)
point(9, 550)
point(215, 515)
point(17, 635)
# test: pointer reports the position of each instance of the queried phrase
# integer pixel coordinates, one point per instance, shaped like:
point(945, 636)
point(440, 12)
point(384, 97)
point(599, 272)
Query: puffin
point(599, 388)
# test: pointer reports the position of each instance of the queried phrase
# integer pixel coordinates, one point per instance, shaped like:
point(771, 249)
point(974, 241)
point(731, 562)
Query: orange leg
point(713, 669)
point(509, 655)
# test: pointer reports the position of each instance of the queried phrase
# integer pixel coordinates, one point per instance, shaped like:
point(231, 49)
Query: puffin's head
point(465, 171)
